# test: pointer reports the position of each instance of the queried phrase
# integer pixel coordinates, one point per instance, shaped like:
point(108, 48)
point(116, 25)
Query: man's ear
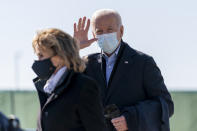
point(121, 31)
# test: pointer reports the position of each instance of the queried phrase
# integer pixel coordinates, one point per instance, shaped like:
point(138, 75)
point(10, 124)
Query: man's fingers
point(120, 123)
point(117, 124)
point(83, 22)
point(118, 128)
point(87, 25)
point(75, 27)
point(115, 120)
point(121, 118)
point(79, 24)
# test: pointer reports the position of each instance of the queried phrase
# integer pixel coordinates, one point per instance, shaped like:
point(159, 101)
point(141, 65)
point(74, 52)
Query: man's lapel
point(99, 69)
point(121, 50)
point(122, 65)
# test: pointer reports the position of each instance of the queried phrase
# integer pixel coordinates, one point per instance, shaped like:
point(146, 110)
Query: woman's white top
point(53, 80)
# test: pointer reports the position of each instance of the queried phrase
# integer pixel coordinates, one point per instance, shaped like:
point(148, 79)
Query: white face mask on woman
point(108, 42)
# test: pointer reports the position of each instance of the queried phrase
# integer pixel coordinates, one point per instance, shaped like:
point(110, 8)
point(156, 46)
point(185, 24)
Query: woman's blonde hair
point(63, 45)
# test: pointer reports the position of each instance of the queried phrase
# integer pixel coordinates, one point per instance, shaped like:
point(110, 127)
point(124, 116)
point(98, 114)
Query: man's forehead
point(110, 25)
point(105, 17)
point(105, 21)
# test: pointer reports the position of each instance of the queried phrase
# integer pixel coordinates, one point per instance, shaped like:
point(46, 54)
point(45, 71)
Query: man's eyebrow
point(98, 29)
point(110, 26)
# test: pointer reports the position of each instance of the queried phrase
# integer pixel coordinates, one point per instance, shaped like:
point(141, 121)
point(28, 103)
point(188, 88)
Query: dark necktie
point(104, 67)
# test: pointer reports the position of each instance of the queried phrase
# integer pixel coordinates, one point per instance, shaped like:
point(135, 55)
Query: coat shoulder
point(85, 81)
point(86, 84)
point(91, 57)
point(143, 55)
point(136, 53)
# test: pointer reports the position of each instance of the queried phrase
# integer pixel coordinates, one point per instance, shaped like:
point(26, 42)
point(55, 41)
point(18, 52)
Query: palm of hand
point(81, 33)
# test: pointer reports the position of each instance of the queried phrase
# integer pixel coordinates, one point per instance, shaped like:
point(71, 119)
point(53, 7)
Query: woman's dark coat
point(74, 105)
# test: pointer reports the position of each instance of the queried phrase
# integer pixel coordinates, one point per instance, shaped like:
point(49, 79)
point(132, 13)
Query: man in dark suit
point(4, 124)
point(128, 78)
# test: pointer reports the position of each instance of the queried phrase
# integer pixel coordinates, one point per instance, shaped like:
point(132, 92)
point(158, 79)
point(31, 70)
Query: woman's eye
point(110, 29)
point(99, 32)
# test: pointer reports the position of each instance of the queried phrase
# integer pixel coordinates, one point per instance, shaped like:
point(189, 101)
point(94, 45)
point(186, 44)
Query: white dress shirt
point(110, 61)
point(53, 80)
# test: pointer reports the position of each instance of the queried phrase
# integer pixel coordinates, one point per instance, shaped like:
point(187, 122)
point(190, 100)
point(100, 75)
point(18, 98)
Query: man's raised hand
point(81, 33)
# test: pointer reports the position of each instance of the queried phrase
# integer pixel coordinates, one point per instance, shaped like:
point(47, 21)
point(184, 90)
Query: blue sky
point(166, 30)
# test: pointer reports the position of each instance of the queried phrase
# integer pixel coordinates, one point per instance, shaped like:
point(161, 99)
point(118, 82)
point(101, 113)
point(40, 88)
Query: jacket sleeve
point(90, 107)
point(151, 114)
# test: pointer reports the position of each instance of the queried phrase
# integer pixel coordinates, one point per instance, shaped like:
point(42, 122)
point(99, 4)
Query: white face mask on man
point(108, 42)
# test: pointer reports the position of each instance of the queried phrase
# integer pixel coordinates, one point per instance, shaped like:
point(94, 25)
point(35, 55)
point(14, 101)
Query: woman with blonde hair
point(69, 100)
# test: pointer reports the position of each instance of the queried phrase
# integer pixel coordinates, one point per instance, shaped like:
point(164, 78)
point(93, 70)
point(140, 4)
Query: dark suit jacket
point(4, 124)
point(137, 87)
point(74, 105)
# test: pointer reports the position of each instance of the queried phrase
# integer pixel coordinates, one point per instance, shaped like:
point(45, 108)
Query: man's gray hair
point(103, 12)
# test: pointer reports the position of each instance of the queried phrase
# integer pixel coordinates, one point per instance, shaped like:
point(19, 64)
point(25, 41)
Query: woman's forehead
point(42, 49)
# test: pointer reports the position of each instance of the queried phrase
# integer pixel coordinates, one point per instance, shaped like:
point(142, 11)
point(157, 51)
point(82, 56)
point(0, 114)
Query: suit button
point(46, 113)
